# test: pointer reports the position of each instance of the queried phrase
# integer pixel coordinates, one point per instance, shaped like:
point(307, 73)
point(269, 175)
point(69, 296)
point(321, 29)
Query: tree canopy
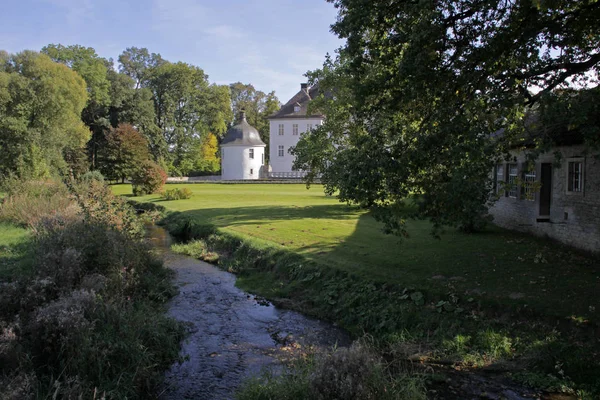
point(419, 87)
point(56, 104)
point(40, 108)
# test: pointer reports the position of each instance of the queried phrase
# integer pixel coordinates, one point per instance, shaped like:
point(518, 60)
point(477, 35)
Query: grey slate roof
point(242, 134)
point(302, 98)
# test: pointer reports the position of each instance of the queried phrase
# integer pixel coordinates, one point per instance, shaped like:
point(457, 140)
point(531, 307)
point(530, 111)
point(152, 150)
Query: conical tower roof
point(242, 134)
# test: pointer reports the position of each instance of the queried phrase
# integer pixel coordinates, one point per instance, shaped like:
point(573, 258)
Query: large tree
point(419, 87)
point(40, 115)
point(94, 70)
point(125, 151)
point(187, 108)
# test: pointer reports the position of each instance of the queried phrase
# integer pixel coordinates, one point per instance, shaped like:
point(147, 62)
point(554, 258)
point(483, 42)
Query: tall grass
point(89, 321)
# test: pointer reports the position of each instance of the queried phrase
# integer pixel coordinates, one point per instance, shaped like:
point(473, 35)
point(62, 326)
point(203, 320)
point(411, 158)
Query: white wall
point(236, 163)
point(284, 164)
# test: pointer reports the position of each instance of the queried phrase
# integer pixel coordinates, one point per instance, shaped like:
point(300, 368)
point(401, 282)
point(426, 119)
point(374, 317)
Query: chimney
point(304, 87)
point(242, 116)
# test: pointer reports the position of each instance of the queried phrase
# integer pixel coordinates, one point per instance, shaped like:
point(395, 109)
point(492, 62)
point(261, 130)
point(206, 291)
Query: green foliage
point(148, 178)
point(87, 64)
point(360, 303)
point(354, 373)
point(177, 194)
point(40, 115)
point(418, 89)
point(88, 321)
point(92, 176)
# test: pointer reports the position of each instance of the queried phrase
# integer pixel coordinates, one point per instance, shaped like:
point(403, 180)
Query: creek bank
point(470, 338)
point(232, 335)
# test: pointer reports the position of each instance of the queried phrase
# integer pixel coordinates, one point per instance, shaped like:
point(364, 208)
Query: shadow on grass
point(499, 266)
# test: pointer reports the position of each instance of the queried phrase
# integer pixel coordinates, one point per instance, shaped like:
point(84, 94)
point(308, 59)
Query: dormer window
point(297, 107)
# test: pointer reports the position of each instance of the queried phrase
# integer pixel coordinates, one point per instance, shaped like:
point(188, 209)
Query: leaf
point(416, 296)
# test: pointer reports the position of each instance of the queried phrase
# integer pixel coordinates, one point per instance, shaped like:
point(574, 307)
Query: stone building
point(286, 127)
point(242, 152)
point(557, 197)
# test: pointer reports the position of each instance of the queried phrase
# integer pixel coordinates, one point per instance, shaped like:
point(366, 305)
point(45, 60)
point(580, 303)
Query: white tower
point(242, 152)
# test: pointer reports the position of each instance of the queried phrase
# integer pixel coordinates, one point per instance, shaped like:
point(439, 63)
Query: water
point(232, 334)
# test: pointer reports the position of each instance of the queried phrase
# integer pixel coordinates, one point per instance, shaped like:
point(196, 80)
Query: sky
point(268, 43)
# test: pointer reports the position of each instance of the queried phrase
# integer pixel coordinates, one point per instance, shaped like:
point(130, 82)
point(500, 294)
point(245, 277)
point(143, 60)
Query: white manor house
point(286, 127)
point(243, 151)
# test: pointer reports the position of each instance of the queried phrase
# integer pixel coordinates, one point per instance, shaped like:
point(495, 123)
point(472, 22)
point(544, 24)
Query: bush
point(148, 179)
point(352, 373)
point(92, 176)
point(177, 194)
point(88, 321)
point(29, 202)
point(100, 206)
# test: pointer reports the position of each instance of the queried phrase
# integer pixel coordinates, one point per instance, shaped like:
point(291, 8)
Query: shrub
point(92, 176)
point(88, 321)
point(177, 194)
point(348, 373)
point(66, 254)
point(148, 178)
point(59, 328)
point(99, 205)
point(29, 202)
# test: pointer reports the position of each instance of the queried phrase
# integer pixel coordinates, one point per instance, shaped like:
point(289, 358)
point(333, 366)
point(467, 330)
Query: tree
point(419, 87)
point(125, 150)
point(209, 154)
point(187, 108)
point(40, 108)
point(95, 71)
point(139, 64)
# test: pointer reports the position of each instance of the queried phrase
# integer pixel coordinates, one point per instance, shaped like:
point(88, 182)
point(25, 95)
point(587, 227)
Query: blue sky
point(269, 43)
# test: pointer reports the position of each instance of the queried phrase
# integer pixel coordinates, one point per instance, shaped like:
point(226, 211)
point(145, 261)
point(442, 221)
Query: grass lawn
point(13, 250)
point(496, 266)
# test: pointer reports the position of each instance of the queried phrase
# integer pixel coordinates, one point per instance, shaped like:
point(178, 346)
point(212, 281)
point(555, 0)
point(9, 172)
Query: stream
point(232, 335)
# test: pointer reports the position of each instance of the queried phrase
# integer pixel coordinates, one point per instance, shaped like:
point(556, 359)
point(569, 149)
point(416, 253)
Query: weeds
point(353, 373)
point(88, 321)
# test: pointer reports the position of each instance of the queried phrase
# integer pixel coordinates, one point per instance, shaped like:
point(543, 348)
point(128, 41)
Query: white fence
point(288, 175)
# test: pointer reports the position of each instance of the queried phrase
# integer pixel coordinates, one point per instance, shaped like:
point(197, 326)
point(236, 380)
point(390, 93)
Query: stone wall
point(574, 216)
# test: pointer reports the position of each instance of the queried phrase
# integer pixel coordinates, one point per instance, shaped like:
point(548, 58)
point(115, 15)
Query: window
point(262, 158)
point(296, 108)
point(295, 129)
point(251, 171)
point(308, 127)
point(280, 129)
point(251, 153)
point(529, 186)
point(499, 177)
point(280, 151)
point(575, 176)
point(512, 180)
